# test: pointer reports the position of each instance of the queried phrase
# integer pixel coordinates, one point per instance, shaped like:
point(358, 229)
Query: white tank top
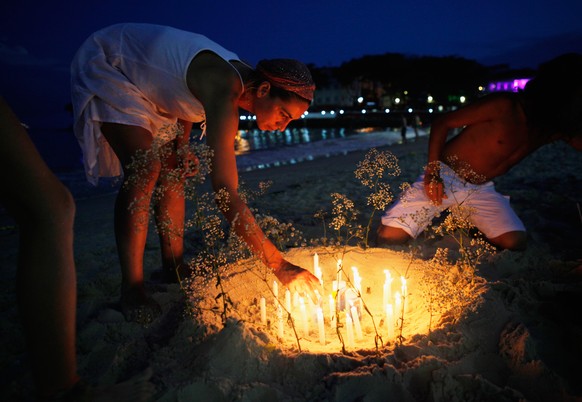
point(154, 59)
point(134, 74)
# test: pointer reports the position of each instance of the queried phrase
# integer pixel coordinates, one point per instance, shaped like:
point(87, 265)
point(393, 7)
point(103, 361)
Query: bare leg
point(388, 235)
point(46, 287)
point(516, 240)
point(46, 284)
point(170, 214)
point(132, 216)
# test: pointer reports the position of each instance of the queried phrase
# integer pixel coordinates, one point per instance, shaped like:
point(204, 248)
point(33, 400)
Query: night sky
point(38, 39)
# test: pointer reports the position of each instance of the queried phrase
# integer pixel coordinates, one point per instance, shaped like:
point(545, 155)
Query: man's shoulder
point(505, 103)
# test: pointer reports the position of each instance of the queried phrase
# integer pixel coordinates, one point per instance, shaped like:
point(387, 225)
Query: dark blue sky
point(38, 39)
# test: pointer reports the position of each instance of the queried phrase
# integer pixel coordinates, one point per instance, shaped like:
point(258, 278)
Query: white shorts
point(487, 210)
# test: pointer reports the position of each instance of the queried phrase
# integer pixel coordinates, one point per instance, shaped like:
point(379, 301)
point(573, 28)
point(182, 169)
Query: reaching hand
point(299, 280)
point(434, 187)
point(190, 164)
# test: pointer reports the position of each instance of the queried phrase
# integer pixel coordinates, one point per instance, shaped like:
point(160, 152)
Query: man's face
point(275, 114)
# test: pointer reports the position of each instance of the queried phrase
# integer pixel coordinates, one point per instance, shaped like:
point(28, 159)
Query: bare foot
point(137, 389)
point(138, 307)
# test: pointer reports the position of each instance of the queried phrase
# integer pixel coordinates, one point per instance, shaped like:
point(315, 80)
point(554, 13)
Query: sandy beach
point(522, 342)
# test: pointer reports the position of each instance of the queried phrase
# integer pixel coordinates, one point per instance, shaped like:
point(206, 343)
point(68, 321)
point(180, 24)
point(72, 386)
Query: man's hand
point(434, 187)
point(190, 163)
point(299, 280)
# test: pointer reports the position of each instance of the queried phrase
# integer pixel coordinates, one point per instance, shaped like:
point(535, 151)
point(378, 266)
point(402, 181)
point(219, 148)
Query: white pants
point(488, 210)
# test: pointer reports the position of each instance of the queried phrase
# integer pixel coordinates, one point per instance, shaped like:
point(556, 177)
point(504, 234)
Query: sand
point(521, 343)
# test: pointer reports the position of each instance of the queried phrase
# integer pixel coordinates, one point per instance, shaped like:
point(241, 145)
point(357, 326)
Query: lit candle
point(403, 287)
point(357, 279)
point(349, 330)
point(315, 262)
point(337, 287)
point(318, 274)
point(263, 310)
point(304, 318)
point(387, 288)
point(356, 320)
point(288, 300)
point(321, 325)
point(398, 301)
point(404, 290)
point(280, 326)
point(390, 320)
point(295, 299)
point(331, 306)
point(332, 311)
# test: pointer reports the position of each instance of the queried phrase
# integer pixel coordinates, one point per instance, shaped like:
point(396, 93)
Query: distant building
point(334, 95)
point(512, 85)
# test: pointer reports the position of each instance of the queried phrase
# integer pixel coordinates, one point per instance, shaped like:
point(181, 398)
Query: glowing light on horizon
point(513, 85)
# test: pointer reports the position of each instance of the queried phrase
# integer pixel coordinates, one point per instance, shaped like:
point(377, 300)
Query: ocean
point(255, 149)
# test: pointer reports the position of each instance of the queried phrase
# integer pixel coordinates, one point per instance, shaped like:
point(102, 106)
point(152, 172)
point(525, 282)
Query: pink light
point(513, 85)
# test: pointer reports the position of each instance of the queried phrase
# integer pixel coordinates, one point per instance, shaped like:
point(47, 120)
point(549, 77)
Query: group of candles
point(346, 299)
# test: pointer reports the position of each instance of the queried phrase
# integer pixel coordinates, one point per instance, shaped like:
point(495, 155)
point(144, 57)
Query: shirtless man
point(499, 131)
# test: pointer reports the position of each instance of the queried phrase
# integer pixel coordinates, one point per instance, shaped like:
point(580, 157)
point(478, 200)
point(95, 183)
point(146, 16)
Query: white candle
point(398, 301)
point(403, 287)
point(349, 330)
point(331, 306)
point(321, 326)
point(295, 299)
point(390, 320)
point(276, 290)
point(337, 287)
point(263, 310)
point(319, 275)
point(288, 300)
point(332, 311)
point(280, 326)
point(315, 262)
point(357, 325)
point(387, 288)
point(304, 318)
point(357, 279)
point(404, 290)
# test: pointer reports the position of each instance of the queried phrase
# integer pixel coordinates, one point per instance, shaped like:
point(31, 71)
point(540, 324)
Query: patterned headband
point(289, 75)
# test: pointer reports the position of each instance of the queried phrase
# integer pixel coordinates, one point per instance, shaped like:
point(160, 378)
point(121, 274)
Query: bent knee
point(57, 209)
point(516, 241)
point(390, 235)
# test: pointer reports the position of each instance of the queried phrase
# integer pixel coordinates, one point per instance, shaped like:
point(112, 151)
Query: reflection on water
point(260, 150)
point(254, 140)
